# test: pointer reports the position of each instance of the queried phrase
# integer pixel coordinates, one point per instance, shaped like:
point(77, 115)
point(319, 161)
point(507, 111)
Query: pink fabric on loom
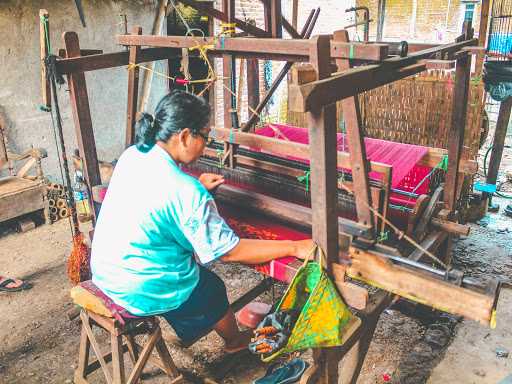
point(402, 157)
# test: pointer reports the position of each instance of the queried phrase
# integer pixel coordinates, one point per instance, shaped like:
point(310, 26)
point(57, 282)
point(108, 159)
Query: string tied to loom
point(304, 179)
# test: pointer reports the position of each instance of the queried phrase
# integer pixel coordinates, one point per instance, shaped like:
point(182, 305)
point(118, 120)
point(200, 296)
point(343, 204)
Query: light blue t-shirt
point(154, 218)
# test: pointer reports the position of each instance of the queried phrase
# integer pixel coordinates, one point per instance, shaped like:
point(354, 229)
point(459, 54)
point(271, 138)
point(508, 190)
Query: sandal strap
point(6, 282)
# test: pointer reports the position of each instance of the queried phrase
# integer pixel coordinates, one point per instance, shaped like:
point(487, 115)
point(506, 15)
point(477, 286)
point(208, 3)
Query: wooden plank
point(147, 80)
point(82, 116)
point(499, 140)
point(357, 80)
point(291, 213)
point(253, 85)
point(359, 51)
point(228, 72)
point(21, 202)
point(322, 138)
point(482, 33)
point(238, 45)
point(109, 60)
point(276, 26)
point(281, 147)
point(355, 138)
point(295, 13)
point(133, 91)
point(420, 287)
point(458, 126)
point(431, 243)
point(44, 34)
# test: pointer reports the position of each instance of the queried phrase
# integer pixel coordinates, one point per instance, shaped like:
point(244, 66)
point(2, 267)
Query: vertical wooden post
point(355, 139)
point(253, 85)
point(276, 19)
point(323, 154)
point(458, 124)
point(116, 343)
point(82, 118)
point(295, 13)
point(212, 98)
point(499, 140)
point(133, 89)
point(228, 71)
point(267, 16)
point(148, 75)
point(381, 17)
point(44, 34)
point(482, 33)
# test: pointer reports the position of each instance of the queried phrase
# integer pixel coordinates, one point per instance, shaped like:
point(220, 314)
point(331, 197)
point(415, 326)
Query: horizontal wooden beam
point(109, 60)
point(354, 81)
point(419, 286)
point(350, 83)
point(283, 147)
point(359, 51)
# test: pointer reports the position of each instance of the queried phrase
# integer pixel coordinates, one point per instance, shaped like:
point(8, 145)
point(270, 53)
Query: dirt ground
point(39, 344)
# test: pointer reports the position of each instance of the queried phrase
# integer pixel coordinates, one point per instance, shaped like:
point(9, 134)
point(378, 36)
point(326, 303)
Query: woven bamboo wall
point(416, 110)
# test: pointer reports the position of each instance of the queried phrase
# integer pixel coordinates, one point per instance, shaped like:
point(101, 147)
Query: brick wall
point(433, 21)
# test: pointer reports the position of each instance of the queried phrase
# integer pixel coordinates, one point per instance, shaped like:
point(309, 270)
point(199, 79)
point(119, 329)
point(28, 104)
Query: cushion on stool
point(90, 297)
point(89, 302)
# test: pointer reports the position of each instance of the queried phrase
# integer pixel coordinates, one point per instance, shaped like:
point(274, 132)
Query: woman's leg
point(227, 328)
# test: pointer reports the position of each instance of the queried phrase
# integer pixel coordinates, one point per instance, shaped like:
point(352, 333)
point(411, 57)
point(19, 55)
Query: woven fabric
point(402, 157)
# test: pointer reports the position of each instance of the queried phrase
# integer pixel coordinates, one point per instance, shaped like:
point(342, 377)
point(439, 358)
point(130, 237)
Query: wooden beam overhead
point(351, 82)
point(109, 60)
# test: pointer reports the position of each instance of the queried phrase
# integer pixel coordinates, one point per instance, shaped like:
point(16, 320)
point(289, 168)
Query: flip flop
point(287, 373)
point(24, 286)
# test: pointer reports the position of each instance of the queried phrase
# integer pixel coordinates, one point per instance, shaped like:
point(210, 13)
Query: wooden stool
point(139, 355)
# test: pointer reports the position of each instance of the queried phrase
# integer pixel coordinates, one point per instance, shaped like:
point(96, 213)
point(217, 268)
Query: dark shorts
point(207, 304)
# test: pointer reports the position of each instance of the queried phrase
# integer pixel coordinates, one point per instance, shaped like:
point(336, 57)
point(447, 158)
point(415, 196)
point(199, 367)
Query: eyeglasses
point(207, 139)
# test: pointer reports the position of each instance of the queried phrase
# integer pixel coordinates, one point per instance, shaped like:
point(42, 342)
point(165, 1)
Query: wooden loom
point(351, 244)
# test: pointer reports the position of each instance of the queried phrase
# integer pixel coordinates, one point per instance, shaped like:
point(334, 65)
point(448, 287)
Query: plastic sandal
point(287, 373)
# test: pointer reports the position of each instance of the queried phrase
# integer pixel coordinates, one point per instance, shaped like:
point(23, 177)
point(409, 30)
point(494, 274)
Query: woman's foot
point(8, 284)
point(239, 343)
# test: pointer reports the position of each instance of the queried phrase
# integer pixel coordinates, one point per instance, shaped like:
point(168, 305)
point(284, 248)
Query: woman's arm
point(252, 251)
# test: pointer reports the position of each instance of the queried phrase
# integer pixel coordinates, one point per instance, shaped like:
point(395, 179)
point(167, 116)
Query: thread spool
point(51, 202)
point(61, 203)
point(53, 217)
point(63, 212)
point(54, 210)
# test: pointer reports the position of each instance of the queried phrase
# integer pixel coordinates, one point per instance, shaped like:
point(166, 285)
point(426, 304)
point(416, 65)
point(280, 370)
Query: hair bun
point(145, 132)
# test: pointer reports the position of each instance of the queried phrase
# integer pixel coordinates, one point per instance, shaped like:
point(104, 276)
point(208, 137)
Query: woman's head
point(180, 126)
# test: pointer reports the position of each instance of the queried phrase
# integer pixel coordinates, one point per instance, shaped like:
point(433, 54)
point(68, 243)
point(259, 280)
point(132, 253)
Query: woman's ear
point(184, 137)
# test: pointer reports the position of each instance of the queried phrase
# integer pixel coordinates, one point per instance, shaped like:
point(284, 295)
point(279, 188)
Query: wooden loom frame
point(317, 99)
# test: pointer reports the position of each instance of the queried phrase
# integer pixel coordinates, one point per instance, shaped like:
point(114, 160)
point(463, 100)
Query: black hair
point(175, 111)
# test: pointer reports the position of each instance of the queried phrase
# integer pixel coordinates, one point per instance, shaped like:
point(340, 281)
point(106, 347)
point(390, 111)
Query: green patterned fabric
point(324, 318)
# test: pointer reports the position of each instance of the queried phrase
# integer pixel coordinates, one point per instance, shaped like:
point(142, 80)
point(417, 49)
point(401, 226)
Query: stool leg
point(132, 348)
point(165, 356)
point(144, 356)
point(116, 342)
point(83, 358)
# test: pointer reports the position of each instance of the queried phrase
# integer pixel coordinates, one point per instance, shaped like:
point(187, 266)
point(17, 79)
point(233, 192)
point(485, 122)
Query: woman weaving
point(155, 218)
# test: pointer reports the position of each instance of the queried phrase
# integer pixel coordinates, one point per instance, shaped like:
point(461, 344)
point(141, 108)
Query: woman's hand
point(211, 180)
point(304, 248)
